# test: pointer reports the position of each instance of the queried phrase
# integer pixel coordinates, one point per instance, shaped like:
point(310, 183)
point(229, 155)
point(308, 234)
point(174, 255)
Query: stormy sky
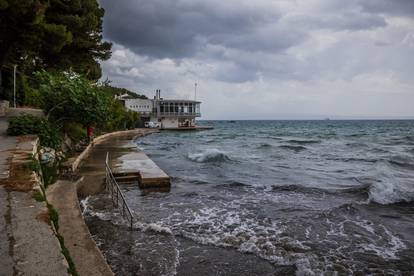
point(267, 59)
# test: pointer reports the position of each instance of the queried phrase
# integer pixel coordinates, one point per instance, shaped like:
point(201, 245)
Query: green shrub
point(76, 132)
point(69, 97)
point(120, 118)
point(28, 124)
point(49, 135)
point(23, 125)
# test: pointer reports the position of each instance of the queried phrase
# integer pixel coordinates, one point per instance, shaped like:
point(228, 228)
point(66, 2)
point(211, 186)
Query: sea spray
point(209, 155)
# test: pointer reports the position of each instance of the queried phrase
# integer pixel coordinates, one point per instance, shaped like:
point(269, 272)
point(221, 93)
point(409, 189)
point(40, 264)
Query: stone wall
point(15, 112)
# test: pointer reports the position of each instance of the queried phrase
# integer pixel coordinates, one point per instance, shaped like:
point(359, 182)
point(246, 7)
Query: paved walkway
point(28, 245)
point(7, 145)
point(82, 248)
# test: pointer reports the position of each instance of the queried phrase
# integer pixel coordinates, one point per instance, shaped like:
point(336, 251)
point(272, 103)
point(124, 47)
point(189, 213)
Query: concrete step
point(138, 164)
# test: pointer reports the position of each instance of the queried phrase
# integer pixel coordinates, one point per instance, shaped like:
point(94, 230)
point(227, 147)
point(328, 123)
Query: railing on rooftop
point(197, 114)
point(118, 199)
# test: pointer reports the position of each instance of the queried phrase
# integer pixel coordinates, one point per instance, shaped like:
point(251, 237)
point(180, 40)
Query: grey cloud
point(177, 28)
point(339, 21)
point(355, 21)
point(298, 57)
point(391, 7)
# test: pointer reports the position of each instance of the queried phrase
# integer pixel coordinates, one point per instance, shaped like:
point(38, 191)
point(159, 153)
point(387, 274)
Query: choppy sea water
point(270, 198)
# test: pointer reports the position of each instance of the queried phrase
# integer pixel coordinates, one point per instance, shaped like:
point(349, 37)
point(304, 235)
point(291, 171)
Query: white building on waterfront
point(169, 114)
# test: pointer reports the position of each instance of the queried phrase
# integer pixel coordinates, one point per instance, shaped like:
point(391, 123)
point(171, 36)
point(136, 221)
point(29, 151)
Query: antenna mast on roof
point(195, 91)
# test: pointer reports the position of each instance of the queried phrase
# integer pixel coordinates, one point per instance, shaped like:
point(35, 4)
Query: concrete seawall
point(63, 195)
point(104, 137)
point(82, 248)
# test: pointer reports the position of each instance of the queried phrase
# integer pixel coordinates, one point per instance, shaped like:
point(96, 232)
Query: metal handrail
point(116, 193)
point(180, 113)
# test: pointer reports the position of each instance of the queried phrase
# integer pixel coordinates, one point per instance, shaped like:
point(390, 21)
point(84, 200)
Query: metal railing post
point(113, 185)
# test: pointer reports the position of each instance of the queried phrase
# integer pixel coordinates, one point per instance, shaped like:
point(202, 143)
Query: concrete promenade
point(28, 245)
point(7, 146)
point(83, 250)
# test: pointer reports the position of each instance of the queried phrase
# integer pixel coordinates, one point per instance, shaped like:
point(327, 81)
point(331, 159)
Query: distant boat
point(232, 121)
point(327, 119)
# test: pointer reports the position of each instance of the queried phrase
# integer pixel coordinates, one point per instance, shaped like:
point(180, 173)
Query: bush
point(119, 118)
point(76, 132)
point(69, 97)
point(28, 124)
point(23, 125)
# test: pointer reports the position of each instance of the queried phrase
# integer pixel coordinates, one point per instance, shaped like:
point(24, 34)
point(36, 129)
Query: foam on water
point(209, 155)
point(84, 203)
point(243, 231)
point(392, 246)
point(392, 187)
point(316, 196)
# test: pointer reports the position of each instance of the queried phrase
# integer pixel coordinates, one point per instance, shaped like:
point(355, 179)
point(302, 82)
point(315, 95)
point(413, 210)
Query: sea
point(269, 198)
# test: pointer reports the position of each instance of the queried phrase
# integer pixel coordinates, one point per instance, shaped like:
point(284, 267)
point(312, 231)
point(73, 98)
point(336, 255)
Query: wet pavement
point(28, 245)
point(7, 144)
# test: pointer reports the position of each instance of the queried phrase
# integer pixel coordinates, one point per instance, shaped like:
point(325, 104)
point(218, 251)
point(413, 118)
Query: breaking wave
point(209, 155)
point(387, 192)
point(392, 186)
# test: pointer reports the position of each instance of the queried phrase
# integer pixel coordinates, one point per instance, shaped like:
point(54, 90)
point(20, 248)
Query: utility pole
point(14, 85)
point(195, 91)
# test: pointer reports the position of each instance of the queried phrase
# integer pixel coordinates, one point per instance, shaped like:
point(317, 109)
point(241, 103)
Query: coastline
point(64, 196)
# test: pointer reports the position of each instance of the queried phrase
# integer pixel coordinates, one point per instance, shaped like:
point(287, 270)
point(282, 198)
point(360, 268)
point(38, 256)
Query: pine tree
point(83, 20)
point(20, 24)
point(51, 34)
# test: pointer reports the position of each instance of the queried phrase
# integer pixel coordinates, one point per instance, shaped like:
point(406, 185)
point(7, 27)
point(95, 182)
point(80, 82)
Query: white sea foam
point(85, 205)
point(392, 245)
point(377, 238)
point(391, 190)
point(157, 228)
point(208, 155)
point(241, 230)
point(101, 215)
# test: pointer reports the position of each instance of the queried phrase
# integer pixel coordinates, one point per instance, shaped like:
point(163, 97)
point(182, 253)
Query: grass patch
point(54, 216)
point(50, 174)
point(38, 196)
point(34, 165)
point(65, 252)
point(54, 219)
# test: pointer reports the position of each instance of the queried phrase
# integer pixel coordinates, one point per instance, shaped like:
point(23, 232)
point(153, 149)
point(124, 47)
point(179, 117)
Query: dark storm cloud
point(177, 29)
point(183, 28)
point(342, 57)
point(352, 21)
point(239, 41)
point(391, 7)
